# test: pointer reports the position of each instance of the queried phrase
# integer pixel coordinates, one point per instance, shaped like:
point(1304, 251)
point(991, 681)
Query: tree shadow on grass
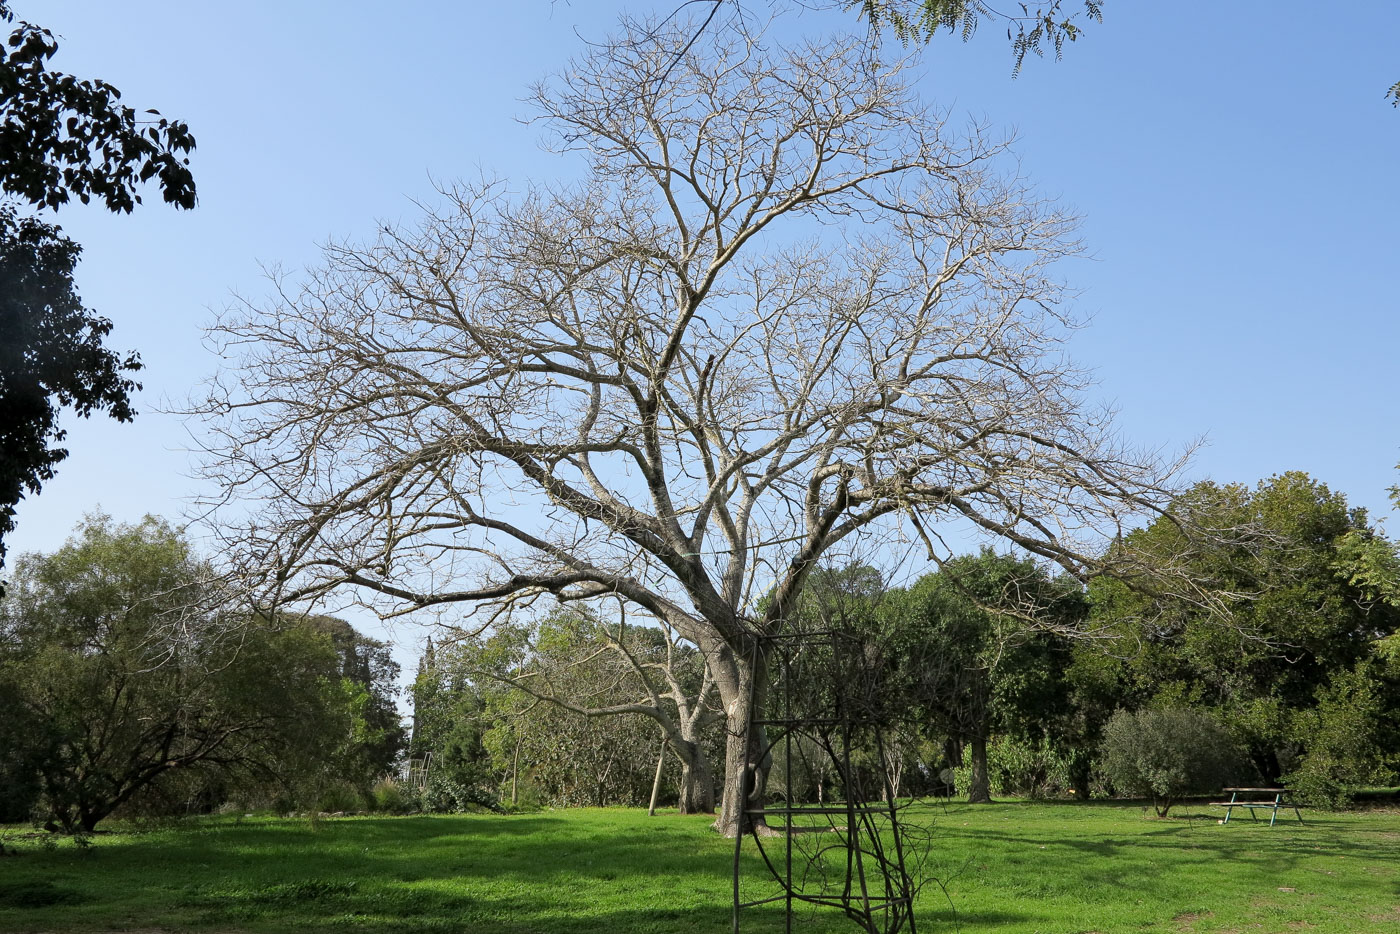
point(539, 874)
point(605, 871)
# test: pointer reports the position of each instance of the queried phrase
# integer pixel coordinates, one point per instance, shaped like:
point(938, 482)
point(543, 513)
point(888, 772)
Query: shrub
point(1167, 754)
point(1342, 737)
point(340, 797)
point(390, 797)
point(1026, 767)
point(444, 795)
point(1021, 767)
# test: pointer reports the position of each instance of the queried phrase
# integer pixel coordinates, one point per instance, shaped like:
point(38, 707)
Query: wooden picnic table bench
point(1280, 801)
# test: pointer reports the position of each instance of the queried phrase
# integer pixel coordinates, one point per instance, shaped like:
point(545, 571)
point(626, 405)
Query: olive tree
point(786, 306)
point(1168, 754)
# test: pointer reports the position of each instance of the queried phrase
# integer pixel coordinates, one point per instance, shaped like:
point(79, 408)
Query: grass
point(1016, 867)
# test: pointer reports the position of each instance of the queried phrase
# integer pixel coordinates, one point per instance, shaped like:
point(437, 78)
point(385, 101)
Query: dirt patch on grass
point(1186, 918)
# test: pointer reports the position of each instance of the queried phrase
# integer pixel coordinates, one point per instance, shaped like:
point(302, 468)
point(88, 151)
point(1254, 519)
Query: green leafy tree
point(1302, 602)
point(838, 678)
point(1168, 754)
point(1348, 736)
point(568, 758)
point(605, 680)
point(124, 665)
point(51, 356)
point(369, 683)
point(979, 638)
point(63, 137)
point(448, 728)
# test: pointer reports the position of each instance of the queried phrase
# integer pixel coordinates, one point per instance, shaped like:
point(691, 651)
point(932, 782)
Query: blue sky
point(1236, 165)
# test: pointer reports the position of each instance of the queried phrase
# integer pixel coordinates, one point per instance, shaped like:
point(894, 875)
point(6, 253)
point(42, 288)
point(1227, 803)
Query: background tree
point(785, 307)
point(123, 665)
point(595, 666)
point(63, 137)
point(1304, 618)
point(981, 639)
point(558, 756)
point(449, 724)
point(369, 678)
point(1168, 754)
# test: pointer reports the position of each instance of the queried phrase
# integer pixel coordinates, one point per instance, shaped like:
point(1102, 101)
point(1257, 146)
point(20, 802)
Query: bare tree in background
point(786, 307)
point(629, 671)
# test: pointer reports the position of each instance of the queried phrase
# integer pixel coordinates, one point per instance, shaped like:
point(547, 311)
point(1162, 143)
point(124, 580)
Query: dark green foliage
point(1300, 611)
point(1168, 754)
point(980, 647)
point(51, 357)
point(64, 137)
point(1348, 737)
point(447, 735)
point(368, 686)
point(20, 756)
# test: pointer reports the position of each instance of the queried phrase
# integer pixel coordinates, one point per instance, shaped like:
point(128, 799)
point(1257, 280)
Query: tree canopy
point(52, 356)
point(1307, 621)
point(64, 137)
point(979, 642)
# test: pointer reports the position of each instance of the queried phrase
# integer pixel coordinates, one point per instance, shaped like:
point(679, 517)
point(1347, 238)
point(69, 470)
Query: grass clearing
point(1016, 867)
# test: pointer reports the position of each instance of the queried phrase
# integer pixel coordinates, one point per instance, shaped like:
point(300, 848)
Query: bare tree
point(600, 668)
point(785, 307)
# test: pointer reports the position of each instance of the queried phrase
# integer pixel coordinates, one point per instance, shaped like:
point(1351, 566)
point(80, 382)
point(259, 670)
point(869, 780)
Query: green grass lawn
point(1021, 868)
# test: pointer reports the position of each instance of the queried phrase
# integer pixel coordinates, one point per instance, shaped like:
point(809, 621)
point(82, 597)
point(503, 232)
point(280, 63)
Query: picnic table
point(1279, 801)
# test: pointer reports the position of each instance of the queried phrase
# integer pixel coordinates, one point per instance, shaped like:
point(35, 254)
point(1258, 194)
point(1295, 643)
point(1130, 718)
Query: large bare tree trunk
point(744, 693)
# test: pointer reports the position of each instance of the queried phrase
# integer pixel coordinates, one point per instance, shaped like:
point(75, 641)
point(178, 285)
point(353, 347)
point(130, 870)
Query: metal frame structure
point(848, 854)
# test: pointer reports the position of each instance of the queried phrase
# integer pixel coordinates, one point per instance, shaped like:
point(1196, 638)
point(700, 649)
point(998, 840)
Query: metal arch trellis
point(851, 854)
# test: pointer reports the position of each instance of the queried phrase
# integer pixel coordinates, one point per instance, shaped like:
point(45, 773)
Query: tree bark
point(744, 693)
point(697, 788)
point(980, 791)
